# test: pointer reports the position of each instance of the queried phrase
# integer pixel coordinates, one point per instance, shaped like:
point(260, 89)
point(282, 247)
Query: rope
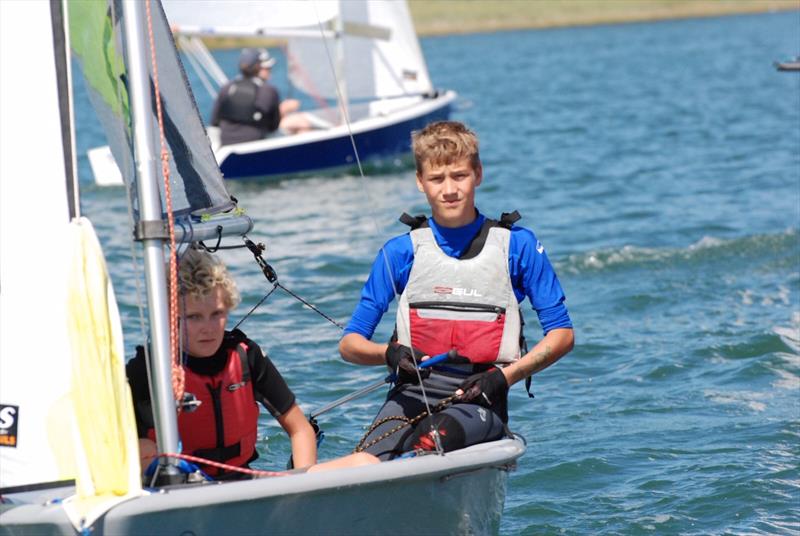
point(272, 277)
point(256, 306)
point(178, 378)
point(276, 286)
point(218, 465)
point(406, 422)
point(309, 305)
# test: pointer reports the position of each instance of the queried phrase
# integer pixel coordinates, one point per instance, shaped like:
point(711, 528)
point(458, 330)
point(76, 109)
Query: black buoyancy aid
point(224, 426)
point(467, 304)
point(239, 102)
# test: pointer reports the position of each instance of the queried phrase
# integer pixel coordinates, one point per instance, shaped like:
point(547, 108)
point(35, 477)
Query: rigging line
point(267, 295)
point(178, 378)
point(219, 465)
point(340, 98)
point(345, 116)
point(201, 74)
point(309, 305)
point(272, 277)
point(295, 66)
point(129, 191)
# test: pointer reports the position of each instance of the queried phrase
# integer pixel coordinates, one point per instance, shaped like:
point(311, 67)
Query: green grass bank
point(469, 16)
point(441, 17)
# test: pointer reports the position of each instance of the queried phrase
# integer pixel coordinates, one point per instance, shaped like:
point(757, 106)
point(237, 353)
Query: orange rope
point(178, 379)
point(223, 466)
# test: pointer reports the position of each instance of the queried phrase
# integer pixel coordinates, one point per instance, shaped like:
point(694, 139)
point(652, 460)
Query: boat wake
point(707, 249)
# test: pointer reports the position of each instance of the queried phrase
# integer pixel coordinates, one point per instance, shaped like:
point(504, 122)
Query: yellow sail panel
point(108, 461)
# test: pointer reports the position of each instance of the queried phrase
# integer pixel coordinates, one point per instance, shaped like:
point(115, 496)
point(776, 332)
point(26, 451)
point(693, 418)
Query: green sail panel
point(196, 185)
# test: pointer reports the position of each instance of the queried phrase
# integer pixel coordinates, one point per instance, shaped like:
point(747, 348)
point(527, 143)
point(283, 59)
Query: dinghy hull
point(461, 492)
point(381, 139)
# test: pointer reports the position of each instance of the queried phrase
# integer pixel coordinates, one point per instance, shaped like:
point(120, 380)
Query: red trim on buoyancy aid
point(479, 340)
point(224, 426)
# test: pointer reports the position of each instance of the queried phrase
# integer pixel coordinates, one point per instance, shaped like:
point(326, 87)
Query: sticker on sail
point(539, 247)
point(8, 425)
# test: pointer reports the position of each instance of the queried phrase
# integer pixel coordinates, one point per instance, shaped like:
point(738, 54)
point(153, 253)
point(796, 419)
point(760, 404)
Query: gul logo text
point(457, 291)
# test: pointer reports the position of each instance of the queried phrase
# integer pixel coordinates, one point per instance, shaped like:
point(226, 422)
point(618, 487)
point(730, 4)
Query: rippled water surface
point(660, 166)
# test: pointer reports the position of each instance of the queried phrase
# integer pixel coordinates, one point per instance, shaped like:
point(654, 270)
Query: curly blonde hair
point(445, 142)
point(199, 272)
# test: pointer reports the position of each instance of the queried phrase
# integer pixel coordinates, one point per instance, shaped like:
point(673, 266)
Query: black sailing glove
point(488, 389)
point(401, 362)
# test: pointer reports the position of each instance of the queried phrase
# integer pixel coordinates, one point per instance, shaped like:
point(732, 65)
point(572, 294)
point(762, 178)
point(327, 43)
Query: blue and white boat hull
point(383, 138)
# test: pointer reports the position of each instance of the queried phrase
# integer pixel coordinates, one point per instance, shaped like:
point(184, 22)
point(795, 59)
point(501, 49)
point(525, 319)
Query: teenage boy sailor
point(460, 277)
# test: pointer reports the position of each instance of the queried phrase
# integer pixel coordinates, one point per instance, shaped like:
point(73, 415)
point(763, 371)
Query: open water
point(659, 164)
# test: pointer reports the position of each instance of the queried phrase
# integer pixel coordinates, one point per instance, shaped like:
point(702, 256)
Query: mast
point(164, 412)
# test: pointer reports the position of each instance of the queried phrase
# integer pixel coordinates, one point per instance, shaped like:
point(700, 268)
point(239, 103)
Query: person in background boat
point(460, 277)
point(249, 107)
point(228, 373)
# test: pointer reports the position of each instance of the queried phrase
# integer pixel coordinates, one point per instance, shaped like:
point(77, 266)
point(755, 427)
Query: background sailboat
point(462, 491)
point(361, 62)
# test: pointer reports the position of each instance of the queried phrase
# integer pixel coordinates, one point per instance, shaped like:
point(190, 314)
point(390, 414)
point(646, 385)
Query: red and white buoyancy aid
point(464, 304)
point(225, 426)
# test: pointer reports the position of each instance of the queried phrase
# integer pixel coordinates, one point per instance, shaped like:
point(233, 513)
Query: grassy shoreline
point(444, 17)
point(459, 16)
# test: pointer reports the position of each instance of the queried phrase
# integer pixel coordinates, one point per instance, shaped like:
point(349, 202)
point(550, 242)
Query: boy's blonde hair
point(445, 142)
point(199, 272)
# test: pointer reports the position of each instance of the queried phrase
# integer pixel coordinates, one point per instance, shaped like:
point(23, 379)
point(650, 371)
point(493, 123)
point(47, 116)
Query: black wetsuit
point(458, 425)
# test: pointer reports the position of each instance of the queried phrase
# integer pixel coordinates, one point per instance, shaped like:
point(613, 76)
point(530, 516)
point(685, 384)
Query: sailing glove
point(401, 363)
point(488, 389)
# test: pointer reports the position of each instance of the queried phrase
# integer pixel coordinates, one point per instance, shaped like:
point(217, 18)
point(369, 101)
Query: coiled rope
point(406, 422)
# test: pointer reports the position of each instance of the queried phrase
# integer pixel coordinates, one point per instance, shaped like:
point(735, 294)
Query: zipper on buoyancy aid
point(214, 391)
point(461, 307)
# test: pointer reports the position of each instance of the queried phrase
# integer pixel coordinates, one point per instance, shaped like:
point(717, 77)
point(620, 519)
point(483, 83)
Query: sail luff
point(58, 17)
point(29, 427)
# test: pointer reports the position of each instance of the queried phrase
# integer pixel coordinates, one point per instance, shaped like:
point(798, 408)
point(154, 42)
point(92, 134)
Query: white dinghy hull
point(461, 492)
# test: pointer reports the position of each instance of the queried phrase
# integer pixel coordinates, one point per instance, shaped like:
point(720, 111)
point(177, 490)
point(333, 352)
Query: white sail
point(60, 324)
point(34, 340)
point(248, 17)
point(379, 55)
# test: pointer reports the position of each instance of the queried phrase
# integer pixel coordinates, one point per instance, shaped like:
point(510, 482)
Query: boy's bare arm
point(357, 349)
